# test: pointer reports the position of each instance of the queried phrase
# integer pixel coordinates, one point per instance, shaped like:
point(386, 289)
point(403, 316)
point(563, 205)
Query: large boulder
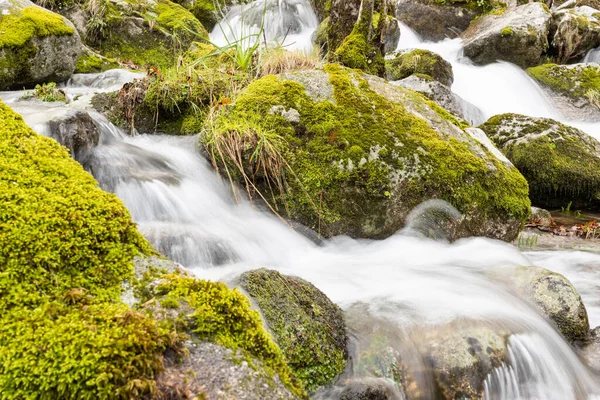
point(146, 32)
point(423, 62)
point(36, 45)
point(574, 32)
point(306, 325)
point(573, 89)
point(561, 163)
point(351, 154)
point(519, 36)
point(442, 95)
point(436, 20)
point(557, 299)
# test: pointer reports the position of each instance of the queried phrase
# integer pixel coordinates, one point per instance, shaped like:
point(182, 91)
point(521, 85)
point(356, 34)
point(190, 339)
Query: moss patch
point(308, 327)
point(18, 28)
point(355, 161)
point(422, 62)
point(571, 80)
point(561, 163)
point(89, 63)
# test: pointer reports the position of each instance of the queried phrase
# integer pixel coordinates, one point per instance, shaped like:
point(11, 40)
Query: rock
point(391, 35)
point(36, 45)
point(461, 355)
point(591, 351)
point(442, 95)
point(212, 372)
point(343, 15)
point(519, 36)
point(367, 152)
point(142, 32)
point(307, 326)
point(370, 389)
point(435, 21)
point(90, 63)
point(541, 216)
point(573, 89)
point(574, 32)
point(77, 131)
point(423, 62)
point(557, 299)
point(321, 8)
point(561, 163)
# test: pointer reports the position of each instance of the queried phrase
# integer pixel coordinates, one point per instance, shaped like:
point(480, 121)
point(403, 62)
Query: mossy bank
point(345, 153)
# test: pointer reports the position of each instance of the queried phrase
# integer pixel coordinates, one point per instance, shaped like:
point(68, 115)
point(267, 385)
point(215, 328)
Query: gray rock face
point(591, 352)
point(432, 20)
point(370, 389)
point(519, 36)
point(391, 36)
point(574, 32)
point(47, 54)
point(213, 372)
point(557, 299)
point(77, 131)
point(442, 95)
point(541, 216)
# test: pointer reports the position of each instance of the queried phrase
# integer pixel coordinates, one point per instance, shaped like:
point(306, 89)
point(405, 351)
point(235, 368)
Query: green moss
point(422, 62)
point(308, 327)
point(356, 51)
point(575, 81)
point(224, 316)
point(335, 189)
point(58, 229)
point(175, 18)
point(507, 31)
point(102, 351)
point(559, 162)
point(20, 27)
point(482, 6)
point(67, 247)
point(89, 63)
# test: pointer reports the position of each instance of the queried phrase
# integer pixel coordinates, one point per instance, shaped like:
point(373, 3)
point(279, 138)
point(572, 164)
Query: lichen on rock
point(423, 62)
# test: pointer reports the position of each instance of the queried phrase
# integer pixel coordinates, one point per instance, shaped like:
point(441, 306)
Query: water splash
point(286, 23)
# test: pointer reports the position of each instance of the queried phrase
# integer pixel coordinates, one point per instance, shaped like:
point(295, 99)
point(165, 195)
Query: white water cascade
point(411, 282)
point(286, 23)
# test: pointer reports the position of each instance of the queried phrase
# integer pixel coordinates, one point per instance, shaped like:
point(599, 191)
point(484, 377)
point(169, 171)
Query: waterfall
point(189, 213)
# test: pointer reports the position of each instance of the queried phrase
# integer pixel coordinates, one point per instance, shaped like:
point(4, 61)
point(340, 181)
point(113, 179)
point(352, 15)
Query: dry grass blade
point(278, 61)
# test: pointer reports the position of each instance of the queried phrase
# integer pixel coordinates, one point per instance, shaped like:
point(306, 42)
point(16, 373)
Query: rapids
point(405, 283)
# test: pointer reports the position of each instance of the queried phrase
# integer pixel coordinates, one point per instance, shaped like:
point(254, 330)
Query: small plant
point(593, 97)
point(526, 241)
point(47, 92)
point(567, 210)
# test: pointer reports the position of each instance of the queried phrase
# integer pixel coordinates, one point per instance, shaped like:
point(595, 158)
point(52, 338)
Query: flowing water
point(402, 286)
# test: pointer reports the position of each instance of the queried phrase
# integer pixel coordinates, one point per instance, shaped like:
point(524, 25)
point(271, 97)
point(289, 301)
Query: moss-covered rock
point(557, 299)
point(435, 19)
point(145, 33)
point(519, 36)
point(422, 62)
point(89, 63)
point(348, 153)
point(308, 327)
point(573, 33)
point(561, 163)
point(36, 45)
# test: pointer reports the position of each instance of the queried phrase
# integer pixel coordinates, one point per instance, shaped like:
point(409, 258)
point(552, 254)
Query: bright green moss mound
point(572, 80)
point(17, 29)
point(89, 63)
point(422, 62)
point(561, 163)
point(55, 351)
point(357, 163)
point(58, 229)
point(224, 316)
point(308, 327)
point(357, 51)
